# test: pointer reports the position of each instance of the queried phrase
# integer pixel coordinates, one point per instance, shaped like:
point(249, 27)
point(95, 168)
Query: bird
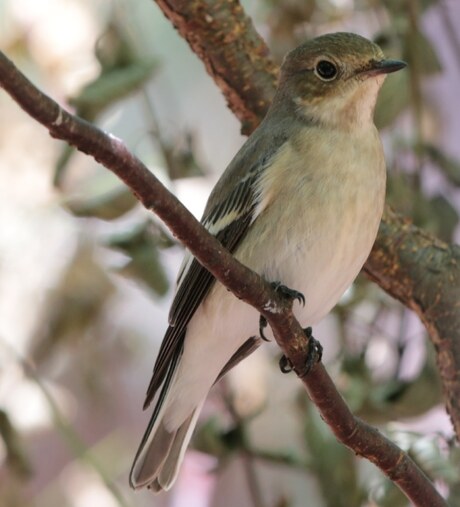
point(300, 204)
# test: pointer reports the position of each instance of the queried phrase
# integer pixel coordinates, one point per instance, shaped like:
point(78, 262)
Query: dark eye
point(326, 70)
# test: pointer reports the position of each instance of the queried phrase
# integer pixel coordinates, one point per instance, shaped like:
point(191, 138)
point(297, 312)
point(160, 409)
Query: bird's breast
point(320, 207)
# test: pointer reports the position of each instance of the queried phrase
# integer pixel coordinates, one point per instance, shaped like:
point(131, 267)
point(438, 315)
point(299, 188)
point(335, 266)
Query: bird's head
point(335, 78)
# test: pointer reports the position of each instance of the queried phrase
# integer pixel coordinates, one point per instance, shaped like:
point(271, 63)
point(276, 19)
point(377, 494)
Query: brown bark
point(112, 153)
point(412, 266)
point(221, 34)
point(424, 274)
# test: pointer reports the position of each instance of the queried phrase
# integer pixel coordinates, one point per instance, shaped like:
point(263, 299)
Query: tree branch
point(424, 274)
point(234, 54)
point(245, 284)
point(430, 269)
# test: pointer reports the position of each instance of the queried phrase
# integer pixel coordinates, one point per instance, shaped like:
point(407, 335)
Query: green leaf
point(334, 465)
point(398, 8)
point(435, 214)
point(142, 245)
point(448, 165)
point(122, 72)
point(393, 99)
point(111, 86)
point(446, 217)
point(16, 457)
point(416, 43)
point(74, 305)
point(106, 206)
point(429, 453)
point(386, 494)
point(180, 158)
point(211, 439)
point(145, 267)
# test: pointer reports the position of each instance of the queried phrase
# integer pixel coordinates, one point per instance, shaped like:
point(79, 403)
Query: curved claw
point(289, 293)
point(285, 364)
point(262, 326)
point(314, 355)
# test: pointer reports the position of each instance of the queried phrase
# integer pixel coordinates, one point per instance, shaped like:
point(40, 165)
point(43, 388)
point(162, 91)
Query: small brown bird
point(300, 204)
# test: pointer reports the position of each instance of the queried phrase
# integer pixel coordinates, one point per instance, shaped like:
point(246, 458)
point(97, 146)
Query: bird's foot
point(314, 355)
point(285, 292)
point(288, 293)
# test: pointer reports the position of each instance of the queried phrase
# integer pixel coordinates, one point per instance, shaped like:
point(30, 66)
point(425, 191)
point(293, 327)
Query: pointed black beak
point(383, 67)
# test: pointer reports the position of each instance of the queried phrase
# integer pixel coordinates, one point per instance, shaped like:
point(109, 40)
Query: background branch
point(409, 264)
point(234, 54)
point(247, 285)
point(424, 274)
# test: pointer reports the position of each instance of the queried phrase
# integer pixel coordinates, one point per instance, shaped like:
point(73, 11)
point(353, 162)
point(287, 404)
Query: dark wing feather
point(197, 281)
point(248, 347)
point(194, 283)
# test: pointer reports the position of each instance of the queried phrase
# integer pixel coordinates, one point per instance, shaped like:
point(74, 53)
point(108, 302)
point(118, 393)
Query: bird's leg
point(315, 349)
point(314, 355)
point(285, 292)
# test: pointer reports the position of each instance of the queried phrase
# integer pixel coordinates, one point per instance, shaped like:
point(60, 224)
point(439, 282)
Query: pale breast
point(319, 216)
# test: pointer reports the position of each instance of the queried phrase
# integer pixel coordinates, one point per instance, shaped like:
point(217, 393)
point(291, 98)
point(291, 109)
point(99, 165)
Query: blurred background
point(87, 275)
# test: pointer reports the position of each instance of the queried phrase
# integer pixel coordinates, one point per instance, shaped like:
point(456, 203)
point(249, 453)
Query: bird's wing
point(228, 222)
point(230, 211)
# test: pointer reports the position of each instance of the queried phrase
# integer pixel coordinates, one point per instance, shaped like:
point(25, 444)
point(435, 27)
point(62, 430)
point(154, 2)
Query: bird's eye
point(326, 70)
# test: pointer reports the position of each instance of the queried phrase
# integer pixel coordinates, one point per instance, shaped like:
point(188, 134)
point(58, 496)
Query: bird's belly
point(324, 272)
point(318, 253)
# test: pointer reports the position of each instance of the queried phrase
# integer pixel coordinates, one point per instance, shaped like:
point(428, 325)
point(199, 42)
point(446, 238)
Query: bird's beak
point(383, 67)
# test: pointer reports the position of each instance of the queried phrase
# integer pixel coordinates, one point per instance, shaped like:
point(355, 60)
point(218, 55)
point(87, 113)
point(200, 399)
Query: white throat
point(352, 109)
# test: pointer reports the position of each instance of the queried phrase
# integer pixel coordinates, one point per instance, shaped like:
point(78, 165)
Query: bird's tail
point(161, 451)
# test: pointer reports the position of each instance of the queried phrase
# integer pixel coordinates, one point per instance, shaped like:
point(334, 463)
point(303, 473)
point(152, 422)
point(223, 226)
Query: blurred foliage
point(334, 467)
point(417, 42)
point(77, 302)
point(141, 245)
point(122, 72)
point(74, 305)
point(211, 438)
point(16, 457)
point(179, 156)
point(383, 401)
point(398, 9)
point(68, 434)
point(107, 206)
point(393, 98)
point(449, 166)
point(110, 86)
point(285, 20)
point(433, 213)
